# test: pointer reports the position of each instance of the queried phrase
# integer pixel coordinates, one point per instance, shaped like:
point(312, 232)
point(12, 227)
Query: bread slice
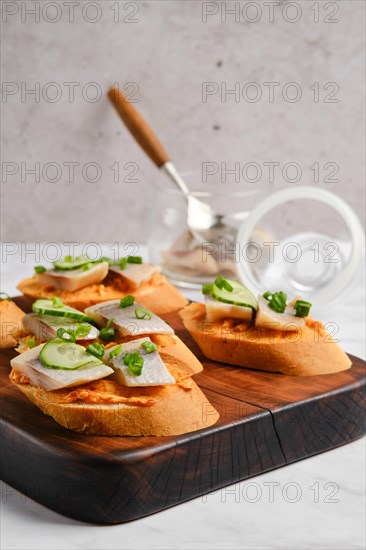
point(157, 295)
point(311, 351)
point(176, 411)
point(11, 328)
point(105, 407)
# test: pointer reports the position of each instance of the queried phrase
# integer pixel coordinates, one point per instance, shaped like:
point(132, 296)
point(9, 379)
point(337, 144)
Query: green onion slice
point(61, 332)
point(31, 343)
point(222, 283)
point(134, 259)
point(82, 330)
point(127, 301)
point(302, 308)
point(96, 349)
point(149, 347)
point(7, 297)
point(134, 362)
point(108, 334)
point(87, 266)
point(276, 301)
point(141, 313)
point(57, 302)
point(207, 289)
point(40, 269)
point(123, 263)
point(115, 351)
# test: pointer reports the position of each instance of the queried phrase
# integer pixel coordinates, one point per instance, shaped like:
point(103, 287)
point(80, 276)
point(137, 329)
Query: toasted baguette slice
point(308, 352)
point(176, 411)
point(11, 328)
point(157, 295)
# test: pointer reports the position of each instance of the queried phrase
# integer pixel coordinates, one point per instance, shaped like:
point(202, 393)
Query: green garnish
point(115, 351)
point(87, 266)
point(276, 301)
point(7, 297)
point(61, 334)
point(207, 289)
point(127, 301)
point(39, 269)
point(302, 308)
point(222, 283)
point(105, 259)
point(96, 349)
point(123, 263)
point(82, 330)
point(141, 313)
point(149, 347)
point(134, 259)
point(134, 362)
point(57, 302)
point(108, 334)
point(68, 259)
point(31, 343)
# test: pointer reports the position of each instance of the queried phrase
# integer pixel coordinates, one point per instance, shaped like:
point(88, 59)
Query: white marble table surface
point(241, 516)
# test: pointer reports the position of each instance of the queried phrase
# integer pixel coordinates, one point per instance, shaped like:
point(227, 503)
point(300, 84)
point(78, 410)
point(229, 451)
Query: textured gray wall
point(168, 53)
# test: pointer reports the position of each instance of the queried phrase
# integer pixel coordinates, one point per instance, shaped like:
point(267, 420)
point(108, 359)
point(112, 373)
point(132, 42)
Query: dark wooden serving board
point(267, 421)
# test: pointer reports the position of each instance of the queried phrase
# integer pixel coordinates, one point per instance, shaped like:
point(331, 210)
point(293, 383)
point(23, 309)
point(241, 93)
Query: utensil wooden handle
point(138, 127)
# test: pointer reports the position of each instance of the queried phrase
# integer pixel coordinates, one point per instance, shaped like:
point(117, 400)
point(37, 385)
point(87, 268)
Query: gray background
point(168, 53)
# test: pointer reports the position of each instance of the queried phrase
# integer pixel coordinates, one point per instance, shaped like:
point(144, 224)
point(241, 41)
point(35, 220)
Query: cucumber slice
point(69, 264)
point(57, 354)
point(239, 296)
point(47, 307)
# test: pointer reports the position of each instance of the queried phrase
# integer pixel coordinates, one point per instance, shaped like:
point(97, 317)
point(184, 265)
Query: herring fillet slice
point(216, 311)
point(49, 379)
point(136, 274)
point(74, 279)
point(154, 372)
point(267, 318)
point(125, 320)
point(45, 327)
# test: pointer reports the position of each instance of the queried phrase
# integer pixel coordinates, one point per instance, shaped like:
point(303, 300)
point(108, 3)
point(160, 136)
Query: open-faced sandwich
point(116, 369)
point(10, 322)
point(267, 334)
point(80, 283)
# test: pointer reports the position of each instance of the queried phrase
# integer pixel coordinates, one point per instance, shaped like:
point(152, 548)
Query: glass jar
point(185, 261)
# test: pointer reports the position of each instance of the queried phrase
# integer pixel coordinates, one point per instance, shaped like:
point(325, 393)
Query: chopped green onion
point(82, 330)
point(207, 289)
point(123, 263)
point(134, 362)
point(61, 334)
point(57, 302)
point(141, 313)
point(108, 334)
point(87, 266)
point(115, 351)
point(40, 269)
point(222, 283)
point(31, 343)
point(7, 297)
point(68, 259)
point(127, 301)
point(276, 301)
point(302, 308)
point(149, 347)
point(134, 259)
point(96, 349)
